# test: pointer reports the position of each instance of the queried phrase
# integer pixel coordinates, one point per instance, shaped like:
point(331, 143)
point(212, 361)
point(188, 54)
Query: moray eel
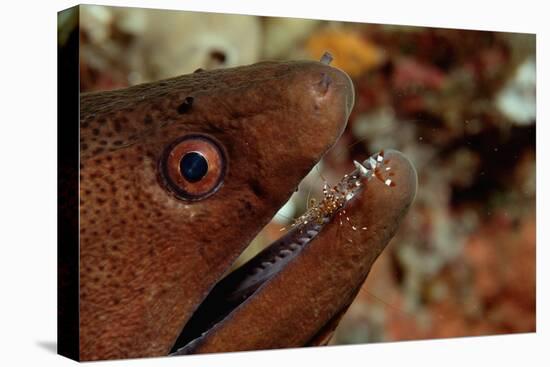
point(178, 176)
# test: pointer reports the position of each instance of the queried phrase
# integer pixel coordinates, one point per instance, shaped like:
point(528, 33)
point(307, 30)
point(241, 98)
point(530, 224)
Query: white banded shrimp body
point(334, 205)
point(335, 197)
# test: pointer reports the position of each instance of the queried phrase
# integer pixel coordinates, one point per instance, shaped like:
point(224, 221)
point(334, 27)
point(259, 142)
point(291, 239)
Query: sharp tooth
point(285, 252)
point(303, 240)
point(266, 264)
point(294, 246)
point(312, 233)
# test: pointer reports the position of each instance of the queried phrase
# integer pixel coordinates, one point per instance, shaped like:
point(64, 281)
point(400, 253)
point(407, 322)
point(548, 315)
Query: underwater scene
point(460, 105)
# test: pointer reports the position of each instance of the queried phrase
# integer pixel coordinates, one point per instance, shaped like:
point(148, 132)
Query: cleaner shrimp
point(335, 197)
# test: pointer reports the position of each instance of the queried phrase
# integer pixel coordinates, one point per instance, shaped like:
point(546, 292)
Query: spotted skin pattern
point(148, 258)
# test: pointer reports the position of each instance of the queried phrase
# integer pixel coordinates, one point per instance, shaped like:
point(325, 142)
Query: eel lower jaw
point(274, 277)
point(240, 285)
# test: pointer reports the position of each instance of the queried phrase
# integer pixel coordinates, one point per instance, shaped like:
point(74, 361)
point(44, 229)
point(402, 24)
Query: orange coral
point(352, 53)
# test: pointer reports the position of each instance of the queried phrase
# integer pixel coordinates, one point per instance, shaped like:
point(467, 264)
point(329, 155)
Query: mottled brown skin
point(147, 258)
point(302, 303)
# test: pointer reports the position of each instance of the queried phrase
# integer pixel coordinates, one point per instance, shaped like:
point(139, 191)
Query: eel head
point(177, 177)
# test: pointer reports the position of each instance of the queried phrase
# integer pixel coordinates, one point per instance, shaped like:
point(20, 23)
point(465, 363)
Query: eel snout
point(325, 93)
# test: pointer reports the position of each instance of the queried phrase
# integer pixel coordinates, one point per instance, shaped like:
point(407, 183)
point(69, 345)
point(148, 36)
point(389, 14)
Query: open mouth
point(241, 285)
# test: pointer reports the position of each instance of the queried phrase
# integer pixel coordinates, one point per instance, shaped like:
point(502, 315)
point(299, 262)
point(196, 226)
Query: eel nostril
point(326, 58)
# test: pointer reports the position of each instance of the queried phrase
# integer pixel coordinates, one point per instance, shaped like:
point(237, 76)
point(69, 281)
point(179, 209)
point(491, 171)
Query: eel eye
point(193, 167)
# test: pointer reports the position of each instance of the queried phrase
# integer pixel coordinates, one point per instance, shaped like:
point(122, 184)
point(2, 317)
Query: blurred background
point(460, 104)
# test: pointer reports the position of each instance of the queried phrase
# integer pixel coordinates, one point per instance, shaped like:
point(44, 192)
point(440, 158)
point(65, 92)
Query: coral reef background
point(459, 103)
